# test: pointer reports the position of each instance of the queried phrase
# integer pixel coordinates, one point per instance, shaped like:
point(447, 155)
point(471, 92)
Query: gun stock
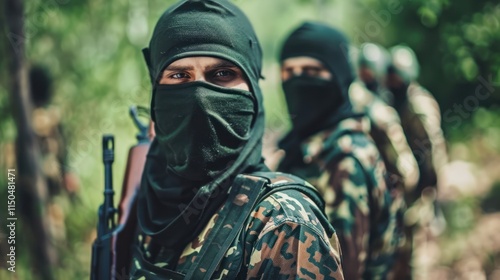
point(123, 236)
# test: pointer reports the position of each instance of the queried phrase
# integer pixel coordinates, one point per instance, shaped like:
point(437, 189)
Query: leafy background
point(93, 50)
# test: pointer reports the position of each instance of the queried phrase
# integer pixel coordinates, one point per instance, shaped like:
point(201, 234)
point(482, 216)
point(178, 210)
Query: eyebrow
point(179, 68)
point(223, 64)
point(320, 67)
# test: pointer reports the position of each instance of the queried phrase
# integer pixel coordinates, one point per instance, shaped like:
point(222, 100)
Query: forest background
point(93, 51)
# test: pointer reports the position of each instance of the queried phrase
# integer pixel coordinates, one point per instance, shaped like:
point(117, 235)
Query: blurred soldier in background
point(49, 132)
point(329, 146)
point(421, 122)
point(386, 128)
point(420, 116)
point(53, 147)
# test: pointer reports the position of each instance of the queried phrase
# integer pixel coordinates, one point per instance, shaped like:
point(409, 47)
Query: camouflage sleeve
point(395, 150)
point(347, 207)
point(388, 135)
point(427, 108)
point(291, 246)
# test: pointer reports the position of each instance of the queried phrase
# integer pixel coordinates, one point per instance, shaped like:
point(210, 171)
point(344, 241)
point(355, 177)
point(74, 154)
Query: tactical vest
point(232, 222)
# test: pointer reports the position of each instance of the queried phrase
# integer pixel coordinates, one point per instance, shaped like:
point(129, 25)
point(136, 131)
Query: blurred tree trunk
point(32, 189)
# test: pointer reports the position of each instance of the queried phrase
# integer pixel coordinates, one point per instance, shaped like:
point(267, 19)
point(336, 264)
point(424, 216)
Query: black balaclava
point(205, 134)
point(404, 64)
point(40, 81)
point(315, 104)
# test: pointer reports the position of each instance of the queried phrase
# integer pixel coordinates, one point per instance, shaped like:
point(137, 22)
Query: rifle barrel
point(101, 249)
point(108, 154)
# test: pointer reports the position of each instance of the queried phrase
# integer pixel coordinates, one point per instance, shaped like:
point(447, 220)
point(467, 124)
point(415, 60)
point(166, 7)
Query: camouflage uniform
point(421, 122)
point(49, 137)
point(283, 239)
point(388, 135)
point(48, 131)
point(345, 165)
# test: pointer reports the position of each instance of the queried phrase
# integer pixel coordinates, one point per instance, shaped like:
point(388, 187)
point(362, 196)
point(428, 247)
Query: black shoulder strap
point(242, 199)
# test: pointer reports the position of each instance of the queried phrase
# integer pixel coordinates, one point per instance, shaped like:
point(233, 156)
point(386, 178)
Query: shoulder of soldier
point(364, 100)
point(383, 115)
point(291, 250)
point(45, 120)
point(360, 96)
point(361, 147)
point(357, 143)
point(421, 100)
point(350, 138)
point(417, 90)
point(279, 224)
point(290, 206)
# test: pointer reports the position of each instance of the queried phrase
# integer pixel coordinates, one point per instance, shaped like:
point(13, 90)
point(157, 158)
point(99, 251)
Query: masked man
point(329, 145)
point(420, 115)
point(208, 208)
point(421, 122)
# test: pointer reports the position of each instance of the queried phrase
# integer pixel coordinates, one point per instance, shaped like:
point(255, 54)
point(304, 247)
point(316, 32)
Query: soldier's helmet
point(374, 57)
point(404, 63)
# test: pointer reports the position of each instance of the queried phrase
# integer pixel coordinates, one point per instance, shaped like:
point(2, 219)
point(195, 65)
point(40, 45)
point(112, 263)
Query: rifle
point(111, 252)
point(101, 249)
point(123, 236)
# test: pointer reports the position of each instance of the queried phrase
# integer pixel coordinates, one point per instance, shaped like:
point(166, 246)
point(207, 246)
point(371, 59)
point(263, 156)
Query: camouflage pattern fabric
point(421, 122)
point(283, 239)
point(388, 135)
point(362, 207)
point(53, 151)
point(48, 132)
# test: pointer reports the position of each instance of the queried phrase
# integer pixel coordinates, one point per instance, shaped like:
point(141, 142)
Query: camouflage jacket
point(421, 122)
point(284, 238)
point(388, 135)
point(48, 132)
point(363, 209)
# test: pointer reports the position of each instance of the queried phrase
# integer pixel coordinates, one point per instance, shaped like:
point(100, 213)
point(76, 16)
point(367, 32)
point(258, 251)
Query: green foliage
point(460, 215)
point(490, 202)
